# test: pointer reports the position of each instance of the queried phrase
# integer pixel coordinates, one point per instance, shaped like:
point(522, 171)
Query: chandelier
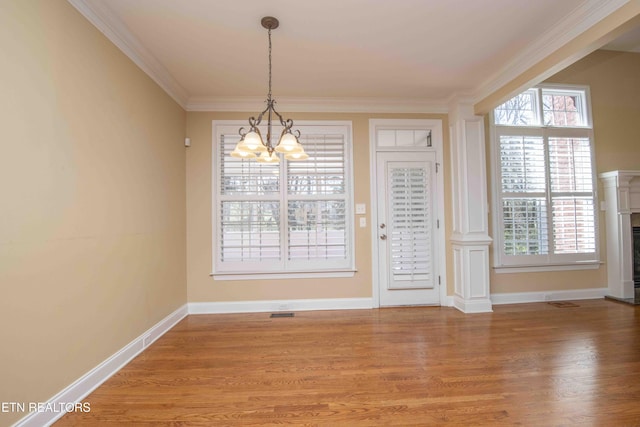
point(252, 144)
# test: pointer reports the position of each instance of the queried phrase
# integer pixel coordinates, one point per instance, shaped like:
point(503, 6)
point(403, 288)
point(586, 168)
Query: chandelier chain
point(269, 95)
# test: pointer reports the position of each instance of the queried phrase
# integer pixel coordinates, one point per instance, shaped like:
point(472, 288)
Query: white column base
point(477, 305)
point(471, 276)
point(622, 290)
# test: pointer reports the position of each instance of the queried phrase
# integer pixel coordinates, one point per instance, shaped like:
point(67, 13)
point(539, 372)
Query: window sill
point(587, 265)
point(284, 275)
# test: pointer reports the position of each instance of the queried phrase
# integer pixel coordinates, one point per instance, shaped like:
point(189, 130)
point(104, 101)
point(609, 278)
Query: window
point(544, 180)
point(292, 217)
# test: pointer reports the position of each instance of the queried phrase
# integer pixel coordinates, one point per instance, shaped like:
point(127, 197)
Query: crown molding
point(99, 14)
point(460, 99)
point(103, 18)
point(320, 105)
point(579, 21)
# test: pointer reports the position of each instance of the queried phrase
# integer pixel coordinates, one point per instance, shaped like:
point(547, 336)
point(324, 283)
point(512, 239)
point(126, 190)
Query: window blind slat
point(570, 165)
point(325, 172)
point(525, 226)
point(250, 231)
point(245, 177)
point(317, 230)
point(522, 161)
point(573, 225)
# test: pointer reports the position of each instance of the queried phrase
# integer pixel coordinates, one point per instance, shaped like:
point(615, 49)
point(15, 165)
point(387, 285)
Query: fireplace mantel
point(622, 198)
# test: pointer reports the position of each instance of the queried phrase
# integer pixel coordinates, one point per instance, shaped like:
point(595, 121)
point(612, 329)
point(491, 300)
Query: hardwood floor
point(527, 364)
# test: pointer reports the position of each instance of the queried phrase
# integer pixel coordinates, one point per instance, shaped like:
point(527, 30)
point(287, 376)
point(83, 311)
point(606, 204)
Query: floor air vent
point(281, 314)
point(563, 304)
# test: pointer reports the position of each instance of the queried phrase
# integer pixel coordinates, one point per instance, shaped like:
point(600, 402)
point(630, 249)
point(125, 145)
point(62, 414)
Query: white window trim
point(584, 265)
point(540, 263)
point(268, 276)
point(569, 87)
point(232, 126)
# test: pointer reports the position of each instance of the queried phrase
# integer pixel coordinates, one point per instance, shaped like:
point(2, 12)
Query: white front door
point(406, 227)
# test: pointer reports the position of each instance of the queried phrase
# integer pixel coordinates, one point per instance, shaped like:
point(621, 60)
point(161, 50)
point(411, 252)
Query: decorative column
point(470, 238)
point(622, 198)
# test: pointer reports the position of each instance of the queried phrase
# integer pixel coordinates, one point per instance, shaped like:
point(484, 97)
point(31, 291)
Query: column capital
point(461, 108)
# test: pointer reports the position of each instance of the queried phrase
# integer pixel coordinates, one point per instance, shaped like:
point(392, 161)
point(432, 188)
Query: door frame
point(435, 125)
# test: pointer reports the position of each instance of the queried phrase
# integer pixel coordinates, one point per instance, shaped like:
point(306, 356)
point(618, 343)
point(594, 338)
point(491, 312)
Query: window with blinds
point(544, 179)
point(292, 217)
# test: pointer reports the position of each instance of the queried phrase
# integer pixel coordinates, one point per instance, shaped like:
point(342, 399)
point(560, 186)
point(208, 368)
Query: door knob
point(383, 237)
point(382, 225)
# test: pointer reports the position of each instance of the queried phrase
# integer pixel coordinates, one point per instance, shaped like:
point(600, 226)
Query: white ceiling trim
point(580, 20)
point(112, 27)
point(319, 105)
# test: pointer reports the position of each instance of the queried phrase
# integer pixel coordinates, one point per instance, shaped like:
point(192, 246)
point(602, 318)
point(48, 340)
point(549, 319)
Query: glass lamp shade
point(265, 157)
point(299, 154)
point(288, 143)
point(253, 142)
point(240, 153)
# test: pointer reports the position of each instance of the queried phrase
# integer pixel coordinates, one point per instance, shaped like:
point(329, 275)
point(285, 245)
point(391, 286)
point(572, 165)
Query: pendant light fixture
point(252, 144)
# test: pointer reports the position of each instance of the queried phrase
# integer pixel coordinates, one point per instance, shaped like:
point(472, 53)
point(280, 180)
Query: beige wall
point(92, 217)
point(202, 288)
point(614, 81)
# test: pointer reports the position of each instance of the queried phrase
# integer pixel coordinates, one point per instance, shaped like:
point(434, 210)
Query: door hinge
point(439, 281)
point(437, 167)
point(437, 223)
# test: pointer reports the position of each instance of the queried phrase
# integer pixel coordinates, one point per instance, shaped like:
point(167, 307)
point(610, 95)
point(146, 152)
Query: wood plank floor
point(527, 364)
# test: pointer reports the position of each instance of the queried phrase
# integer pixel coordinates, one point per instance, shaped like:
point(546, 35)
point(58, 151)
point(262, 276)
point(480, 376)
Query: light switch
point(363, 222)
point(361, 209)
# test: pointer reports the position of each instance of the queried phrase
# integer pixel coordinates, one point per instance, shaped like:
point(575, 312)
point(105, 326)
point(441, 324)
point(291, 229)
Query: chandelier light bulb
point(295, 156)
point(240, 153)
point(252, 141)
point(267, 157)
point(287, 144)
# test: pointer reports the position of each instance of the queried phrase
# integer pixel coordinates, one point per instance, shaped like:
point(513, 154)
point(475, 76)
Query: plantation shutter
point(317, 200)
point(572, 195)
point(409, 232)
point(524, 208)
point(249, 227)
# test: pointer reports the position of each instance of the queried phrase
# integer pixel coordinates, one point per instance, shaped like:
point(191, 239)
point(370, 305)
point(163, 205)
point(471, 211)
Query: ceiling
point(420, 54)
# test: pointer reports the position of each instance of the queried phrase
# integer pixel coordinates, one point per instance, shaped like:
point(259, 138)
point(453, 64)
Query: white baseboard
point(448, 301)
point(98, 375)
point(524, 297)
point(476, 305)
point(279, 305)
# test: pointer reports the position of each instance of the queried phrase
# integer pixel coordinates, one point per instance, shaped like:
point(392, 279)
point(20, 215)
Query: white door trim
point(435, 125)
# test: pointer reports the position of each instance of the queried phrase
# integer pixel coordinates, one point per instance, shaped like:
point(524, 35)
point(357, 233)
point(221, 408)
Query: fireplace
point(636, 256)
point(622, 206)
